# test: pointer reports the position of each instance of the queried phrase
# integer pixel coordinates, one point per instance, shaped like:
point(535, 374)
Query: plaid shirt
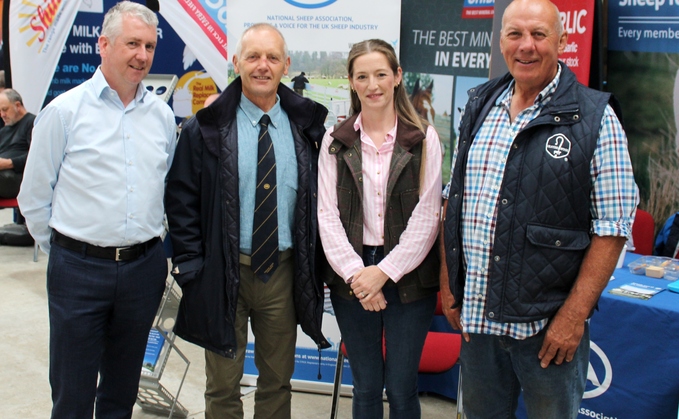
point(613, 200)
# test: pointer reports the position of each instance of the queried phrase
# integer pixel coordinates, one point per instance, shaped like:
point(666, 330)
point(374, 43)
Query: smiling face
point(374, 81)
point(261, 64)
point(531, 41)
point(127, 58)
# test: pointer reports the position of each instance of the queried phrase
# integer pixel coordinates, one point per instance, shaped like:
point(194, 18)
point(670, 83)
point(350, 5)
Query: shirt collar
point(391, 135)
point(542, 98)
point(254, 113)
point(101, 86)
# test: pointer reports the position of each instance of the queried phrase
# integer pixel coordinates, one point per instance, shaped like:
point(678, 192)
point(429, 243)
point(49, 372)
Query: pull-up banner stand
point(37, 34)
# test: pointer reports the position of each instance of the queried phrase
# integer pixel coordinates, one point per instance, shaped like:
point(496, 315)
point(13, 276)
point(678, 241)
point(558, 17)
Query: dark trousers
point(100, 313)
point(404, 329)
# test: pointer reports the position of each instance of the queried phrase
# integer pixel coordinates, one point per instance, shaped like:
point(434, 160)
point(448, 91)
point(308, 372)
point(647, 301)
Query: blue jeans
point(404, 327)
point(101, 312)
point(496, 368)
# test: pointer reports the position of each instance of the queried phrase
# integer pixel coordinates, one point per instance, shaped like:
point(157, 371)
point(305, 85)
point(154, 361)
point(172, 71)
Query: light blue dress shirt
point(247, 117)
point(96, 169)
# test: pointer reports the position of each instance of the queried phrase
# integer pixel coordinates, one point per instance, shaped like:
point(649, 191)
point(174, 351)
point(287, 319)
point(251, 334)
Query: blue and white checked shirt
point(613, 201)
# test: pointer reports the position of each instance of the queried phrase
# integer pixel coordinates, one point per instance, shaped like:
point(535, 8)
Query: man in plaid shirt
point(539, 206)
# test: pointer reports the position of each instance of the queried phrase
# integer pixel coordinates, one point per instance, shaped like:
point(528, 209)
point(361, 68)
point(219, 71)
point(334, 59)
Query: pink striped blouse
point(419, 235)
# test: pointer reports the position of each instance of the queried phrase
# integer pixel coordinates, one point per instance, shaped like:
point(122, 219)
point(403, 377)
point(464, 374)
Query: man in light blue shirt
point(92, 196)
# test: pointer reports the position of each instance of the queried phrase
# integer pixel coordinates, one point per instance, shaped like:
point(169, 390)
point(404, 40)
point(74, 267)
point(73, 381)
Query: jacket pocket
point(185, 272)
point(551, 262)
point(557, 238)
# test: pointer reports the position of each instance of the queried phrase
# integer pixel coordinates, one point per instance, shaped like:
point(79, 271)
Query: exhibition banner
point(201, 24)
point(319, 25)
point(577, 17)
point(445, 51)
point(648, 26)
point(80, 58)
point(643, 73)
point(319, 35)
point(38, 33)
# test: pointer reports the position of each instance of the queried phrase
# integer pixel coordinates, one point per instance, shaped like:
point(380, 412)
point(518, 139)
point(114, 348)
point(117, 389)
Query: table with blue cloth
point(634, 355)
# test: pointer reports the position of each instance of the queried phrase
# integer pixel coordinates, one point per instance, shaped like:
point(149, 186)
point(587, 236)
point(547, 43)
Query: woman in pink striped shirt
point(378, 213)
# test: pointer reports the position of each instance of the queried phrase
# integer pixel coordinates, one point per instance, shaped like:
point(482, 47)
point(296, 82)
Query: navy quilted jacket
point(543, 220)
point(203, 211)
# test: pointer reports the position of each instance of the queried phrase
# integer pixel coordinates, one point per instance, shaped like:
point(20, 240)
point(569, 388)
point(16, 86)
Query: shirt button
point(496, 258)
point(491, 315)
point(379, 194)
point(379, 215)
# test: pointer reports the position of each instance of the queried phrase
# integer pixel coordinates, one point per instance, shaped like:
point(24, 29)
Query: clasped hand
point(367, 286)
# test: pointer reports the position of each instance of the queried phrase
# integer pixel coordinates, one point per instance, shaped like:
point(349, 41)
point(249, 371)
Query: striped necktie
point(264, 258)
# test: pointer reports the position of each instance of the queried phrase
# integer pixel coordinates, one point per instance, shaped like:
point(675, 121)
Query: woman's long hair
point(404, 108)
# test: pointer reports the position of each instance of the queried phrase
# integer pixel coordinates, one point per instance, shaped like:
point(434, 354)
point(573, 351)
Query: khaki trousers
point(271, 310)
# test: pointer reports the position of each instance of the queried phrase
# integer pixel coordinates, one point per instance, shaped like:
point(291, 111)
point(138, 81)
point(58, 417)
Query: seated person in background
point(2, 87)
point(667, 242)
point(15, 137)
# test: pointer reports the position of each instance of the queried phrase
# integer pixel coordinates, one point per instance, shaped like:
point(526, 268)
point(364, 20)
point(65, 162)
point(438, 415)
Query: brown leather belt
point(119, 254)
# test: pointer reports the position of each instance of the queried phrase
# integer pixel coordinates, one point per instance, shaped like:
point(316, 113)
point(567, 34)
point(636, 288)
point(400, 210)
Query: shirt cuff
point(611, 228)
point(350, 270)
point(392, 271)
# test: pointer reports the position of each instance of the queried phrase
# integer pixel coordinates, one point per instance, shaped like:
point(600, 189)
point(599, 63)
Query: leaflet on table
point(636, 290)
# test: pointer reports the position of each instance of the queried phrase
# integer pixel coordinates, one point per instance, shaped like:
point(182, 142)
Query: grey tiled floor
point(24, 387)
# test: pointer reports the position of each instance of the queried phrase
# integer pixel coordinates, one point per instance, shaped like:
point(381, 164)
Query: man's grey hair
point(12, 96)
point(113, 21)
point(239, 45)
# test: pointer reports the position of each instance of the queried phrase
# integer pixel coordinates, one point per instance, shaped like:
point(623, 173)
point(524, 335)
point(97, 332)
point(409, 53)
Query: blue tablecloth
point(635, 370)
point(634, 357)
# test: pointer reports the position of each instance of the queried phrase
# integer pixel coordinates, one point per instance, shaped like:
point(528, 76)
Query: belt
point(285, 254)
point(119, 254)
